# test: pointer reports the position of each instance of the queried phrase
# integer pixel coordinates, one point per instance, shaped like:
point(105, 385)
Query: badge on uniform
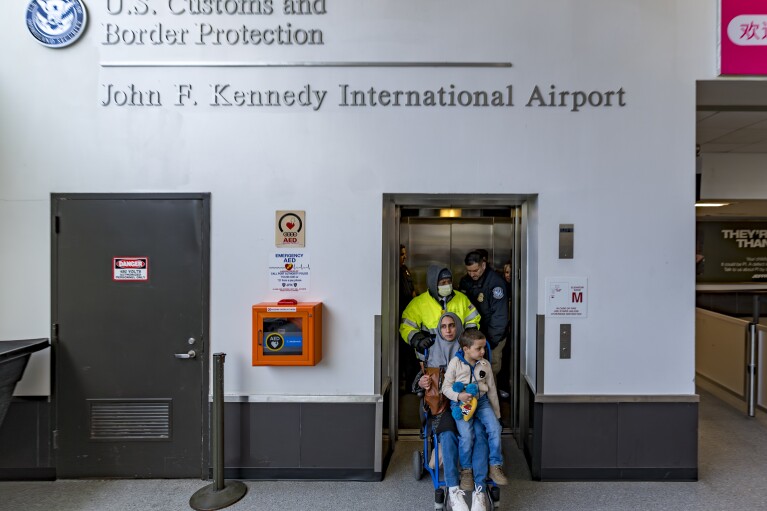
point(481, 297)
point(497, 293)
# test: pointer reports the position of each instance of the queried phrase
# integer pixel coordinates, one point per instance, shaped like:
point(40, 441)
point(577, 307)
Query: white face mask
point(445, 290)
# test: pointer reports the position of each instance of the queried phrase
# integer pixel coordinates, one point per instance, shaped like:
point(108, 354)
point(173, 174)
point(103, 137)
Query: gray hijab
point(442, 351)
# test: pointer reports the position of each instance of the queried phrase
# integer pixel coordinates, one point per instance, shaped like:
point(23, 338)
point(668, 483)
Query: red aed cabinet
point(287, 333)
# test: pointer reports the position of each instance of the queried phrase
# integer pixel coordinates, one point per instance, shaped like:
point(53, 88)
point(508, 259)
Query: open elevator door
point(492, 222)
point(431, 239)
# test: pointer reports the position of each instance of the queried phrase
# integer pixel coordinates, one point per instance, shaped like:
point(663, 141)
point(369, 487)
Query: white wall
point(597, 168)
point(733, 176)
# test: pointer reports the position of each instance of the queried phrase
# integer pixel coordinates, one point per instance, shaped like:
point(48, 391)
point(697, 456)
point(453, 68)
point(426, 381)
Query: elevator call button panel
point(287, 333)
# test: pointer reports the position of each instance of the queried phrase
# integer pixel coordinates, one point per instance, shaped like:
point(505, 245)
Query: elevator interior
point(444, 237)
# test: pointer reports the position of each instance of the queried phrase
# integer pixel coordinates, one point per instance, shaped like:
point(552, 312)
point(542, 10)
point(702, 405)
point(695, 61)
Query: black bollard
point(218, 494)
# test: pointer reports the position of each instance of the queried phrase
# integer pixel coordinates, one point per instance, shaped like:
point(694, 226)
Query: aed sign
point(566, 297)
point(130, 268)
point(290, 229)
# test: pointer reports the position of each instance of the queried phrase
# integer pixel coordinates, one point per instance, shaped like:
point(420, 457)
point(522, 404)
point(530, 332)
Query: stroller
point(431, 448)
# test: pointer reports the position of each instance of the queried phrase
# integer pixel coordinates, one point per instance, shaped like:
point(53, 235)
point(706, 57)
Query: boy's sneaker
point(497, 475)
point(479, 499)
point(457, 502)
point(467, 479)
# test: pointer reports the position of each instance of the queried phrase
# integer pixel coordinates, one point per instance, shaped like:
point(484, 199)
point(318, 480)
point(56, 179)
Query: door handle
point(191, 354)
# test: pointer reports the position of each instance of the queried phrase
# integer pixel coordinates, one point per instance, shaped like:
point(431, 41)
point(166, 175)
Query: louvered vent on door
point(130, 419)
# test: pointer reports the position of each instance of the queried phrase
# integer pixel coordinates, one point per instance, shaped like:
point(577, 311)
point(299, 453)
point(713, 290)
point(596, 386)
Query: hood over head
point(432, 278)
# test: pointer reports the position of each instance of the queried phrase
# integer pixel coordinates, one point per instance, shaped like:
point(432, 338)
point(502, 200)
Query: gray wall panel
point(658, 435)
point(299, 436)
point(262, 435)
point(575, 435)
point(337, 435)
point(648, 441)
point(25, 445)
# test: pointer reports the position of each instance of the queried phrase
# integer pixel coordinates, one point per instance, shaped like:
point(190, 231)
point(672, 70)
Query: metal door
point(130, 313)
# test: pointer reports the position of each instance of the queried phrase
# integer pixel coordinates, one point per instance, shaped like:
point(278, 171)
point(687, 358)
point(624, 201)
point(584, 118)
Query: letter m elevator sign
point(567, 297)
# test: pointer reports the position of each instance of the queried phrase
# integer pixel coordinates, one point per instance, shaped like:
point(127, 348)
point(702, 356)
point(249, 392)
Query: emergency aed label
point(289, 272)
point(130, 268)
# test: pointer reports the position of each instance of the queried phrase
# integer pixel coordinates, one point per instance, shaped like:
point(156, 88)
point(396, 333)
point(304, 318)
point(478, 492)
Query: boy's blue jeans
point(479, 456)
point(467, 437)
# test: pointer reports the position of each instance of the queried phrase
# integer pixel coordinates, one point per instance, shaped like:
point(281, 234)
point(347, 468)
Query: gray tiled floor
point(732, 469)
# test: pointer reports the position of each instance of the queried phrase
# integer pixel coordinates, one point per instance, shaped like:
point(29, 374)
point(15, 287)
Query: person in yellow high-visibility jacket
point(420, 320)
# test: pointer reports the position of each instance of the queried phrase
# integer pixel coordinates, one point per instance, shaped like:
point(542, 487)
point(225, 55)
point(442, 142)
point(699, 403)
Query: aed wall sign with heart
point(290, 228)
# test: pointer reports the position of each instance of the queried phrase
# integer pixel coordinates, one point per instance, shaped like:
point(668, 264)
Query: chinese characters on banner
point(744, 37)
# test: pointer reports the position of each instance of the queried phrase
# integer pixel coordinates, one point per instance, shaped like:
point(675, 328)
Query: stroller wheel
point(418, 465)
point(439, 498)
point(495, 496)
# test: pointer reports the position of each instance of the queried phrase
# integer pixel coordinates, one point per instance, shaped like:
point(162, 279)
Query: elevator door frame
point(392, 207)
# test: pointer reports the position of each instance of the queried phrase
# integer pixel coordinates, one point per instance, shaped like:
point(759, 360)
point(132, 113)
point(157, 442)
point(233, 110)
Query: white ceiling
point(732, 118)
point(732, 132)
point(732, 115)
point(740, 209)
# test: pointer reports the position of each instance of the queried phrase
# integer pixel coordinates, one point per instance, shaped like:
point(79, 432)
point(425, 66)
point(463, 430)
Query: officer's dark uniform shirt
point(488, 294)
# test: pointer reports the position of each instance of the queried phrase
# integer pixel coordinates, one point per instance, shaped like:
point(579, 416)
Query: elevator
point(442, 229)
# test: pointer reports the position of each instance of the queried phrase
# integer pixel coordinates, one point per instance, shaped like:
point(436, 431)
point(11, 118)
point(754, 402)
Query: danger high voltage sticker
point(130, 268)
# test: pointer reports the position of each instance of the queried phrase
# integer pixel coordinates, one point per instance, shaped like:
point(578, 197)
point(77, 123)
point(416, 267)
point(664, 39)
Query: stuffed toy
point(465, 409)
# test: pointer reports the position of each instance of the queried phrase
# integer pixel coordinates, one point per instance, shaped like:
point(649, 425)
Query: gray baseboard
point(634, 438)
point(293, 440)
point(25, 445)
point(305, 474)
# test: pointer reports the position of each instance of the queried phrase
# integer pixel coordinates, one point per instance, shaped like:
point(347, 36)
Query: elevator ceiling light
point(711, 204)
point(449, 213)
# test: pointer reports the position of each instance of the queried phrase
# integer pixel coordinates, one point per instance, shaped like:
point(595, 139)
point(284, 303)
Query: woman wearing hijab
point(444, 348)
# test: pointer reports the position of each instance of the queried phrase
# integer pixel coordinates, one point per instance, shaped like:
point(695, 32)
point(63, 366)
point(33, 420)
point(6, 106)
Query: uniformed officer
point(420, 320)
point(487, 291)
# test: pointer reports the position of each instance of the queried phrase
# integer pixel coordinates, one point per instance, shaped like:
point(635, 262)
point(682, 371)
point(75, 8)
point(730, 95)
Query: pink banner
point(744, 37)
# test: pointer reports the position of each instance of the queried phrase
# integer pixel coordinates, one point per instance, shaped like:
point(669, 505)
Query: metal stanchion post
point(751, 371)
point(753, 334)
point(218, 494)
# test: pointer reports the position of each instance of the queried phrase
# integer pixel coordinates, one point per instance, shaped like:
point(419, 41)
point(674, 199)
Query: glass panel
point(283, 336)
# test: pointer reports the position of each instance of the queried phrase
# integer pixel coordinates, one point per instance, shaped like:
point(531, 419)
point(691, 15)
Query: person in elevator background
point(408, 363)
point(507, 276)
point(504, 375)
point(485, 256)
point(420, 319)
point(487, 291)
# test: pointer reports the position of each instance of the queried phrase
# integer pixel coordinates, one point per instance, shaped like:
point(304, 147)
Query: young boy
point(470, 371)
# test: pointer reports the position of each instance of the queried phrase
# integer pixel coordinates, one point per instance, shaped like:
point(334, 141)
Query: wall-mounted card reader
point(287, 333)
point(566, 240)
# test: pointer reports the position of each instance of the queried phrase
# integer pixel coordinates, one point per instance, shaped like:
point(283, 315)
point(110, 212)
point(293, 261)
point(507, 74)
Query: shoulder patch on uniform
point(498, 292)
